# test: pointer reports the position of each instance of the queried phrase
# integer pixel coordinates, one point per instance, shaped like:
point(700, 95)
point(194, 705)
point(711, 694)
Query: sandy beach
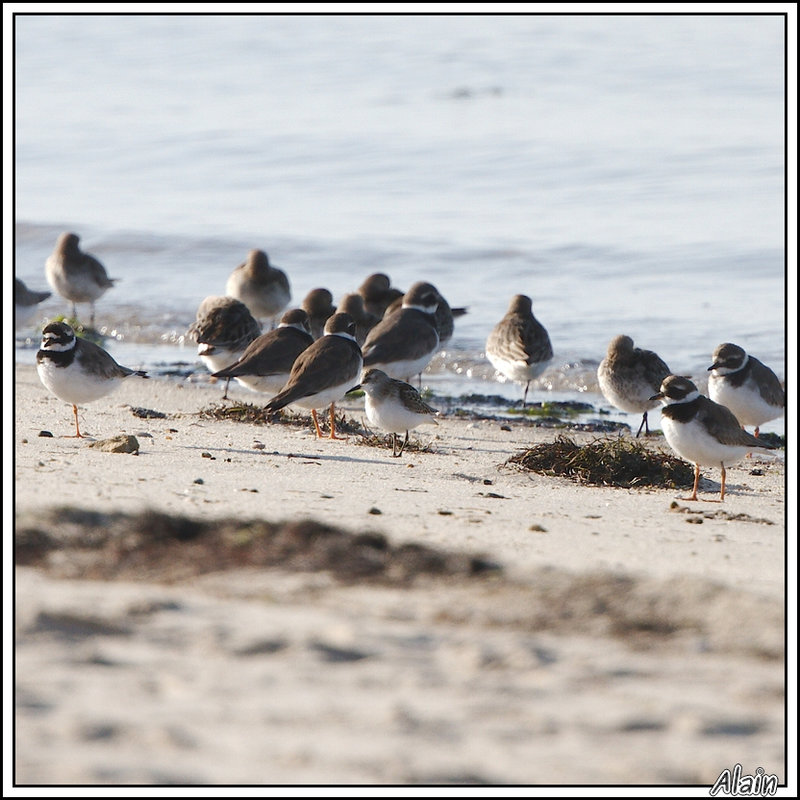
point(625, 637)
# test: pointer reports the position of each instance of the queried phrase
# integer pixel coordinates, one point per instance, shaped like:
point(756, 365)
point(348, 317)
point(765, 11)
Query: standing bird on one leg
point(75, 370)
point(750, 389)
point(629, 377)
point(519, 346)
point(77, 276)
point(702, 431)
point(394, 406)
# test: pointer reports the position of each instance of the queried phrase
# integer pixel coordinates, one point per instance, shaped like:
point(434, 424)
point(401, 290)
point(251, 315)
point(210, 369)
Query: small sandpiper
point(702, 431)
point(629, 377)
point(394, 406)
point(267, 362)
point(324, 372)
point(750, 389)
point(403, 343)
point(264, 289)
point(77, 276)
point(519, 346)
point(76, 370)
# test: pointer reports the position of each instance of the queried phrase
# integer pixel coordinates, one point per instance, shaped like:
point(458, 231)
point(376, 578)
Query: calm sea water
point(625, 172)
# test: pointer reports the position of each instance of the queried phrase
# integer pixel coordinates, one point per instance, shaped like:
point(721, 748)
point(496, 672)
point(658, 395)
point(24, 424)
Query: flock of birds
point(378, 339)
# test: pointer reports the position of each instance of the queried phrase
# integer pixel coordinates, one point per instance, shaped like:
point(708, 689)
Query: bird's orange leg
point(316, 423)
point(78, 434)
point(333, 426)
point(696, 481)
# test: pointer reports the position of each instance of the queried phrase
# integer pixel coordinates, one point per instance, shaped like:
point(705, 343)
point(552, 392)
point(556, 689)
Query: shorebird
point(629, 376)
point(702, 431)
point(267, 362)
point(750, 389)
point(444, 317)
point(76, 370)
point(518, 346)
point(318, 304)
point(25, 303)
point(223, 328)
point(403, 343)
point(394, 406)
point(324, 372)
point(378, 294)
point(264, 289)
point(353, 304)
point(77, 276)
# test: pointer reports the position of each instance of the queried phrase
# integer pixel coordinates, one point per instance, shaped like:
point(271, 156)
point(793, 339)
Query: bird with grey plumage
point(750, 389)
point(324, 372)
point(267, 362)
point(77, 276)
point(702, 431)
point(394, 406)
point(26, 303)
point(76, 370)
point(519, 346)
point(629, 377)
point(263, 288)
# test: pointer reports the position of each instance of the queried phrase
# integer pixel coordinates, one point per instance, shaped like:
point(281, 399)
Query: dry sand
point(625, 641)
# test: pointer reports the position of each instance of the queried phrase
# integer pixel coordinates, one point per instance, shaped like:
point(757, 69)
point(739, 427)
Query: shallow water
point(625, 172)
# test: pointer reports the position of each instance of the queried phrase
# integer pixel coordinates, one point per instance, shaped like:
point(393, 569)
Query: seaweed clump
point(606, 462)
point(258, 415)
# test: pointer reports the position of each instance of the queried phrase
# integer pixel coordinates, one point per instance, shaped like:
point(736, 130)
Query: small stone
point(536, 528)
point(374, 510)
point(207, 455)
point(124, 443)
point(199, 480)
point(46, 434)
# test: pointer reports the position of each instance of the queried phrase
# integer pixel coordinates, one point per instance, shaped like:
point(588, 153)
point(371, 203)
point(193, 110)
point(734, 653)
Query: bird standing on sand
point(394, 406)
point(77, 276)
point(25, 302)
point(77, 370)
point(519, 346)
point(702, 431)
point(403, 343)
point(629, 377)
point(267, 362)
point(264, 289)
point(750, 389)
point(324, 372)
